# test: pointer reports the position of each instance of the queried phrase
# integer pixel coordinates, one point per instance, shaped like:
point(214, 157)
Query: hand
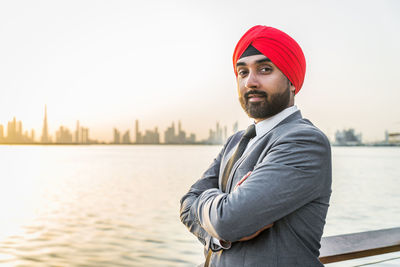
point(246, 238)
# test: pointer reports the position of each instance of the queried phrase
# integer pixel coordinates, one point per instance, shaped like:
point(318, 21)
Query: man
point(264, 199)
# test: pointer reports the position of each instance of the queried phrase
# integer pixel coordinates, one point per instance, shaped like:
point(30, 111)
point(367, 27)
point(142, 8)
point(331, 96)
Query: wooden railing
point(359, 245)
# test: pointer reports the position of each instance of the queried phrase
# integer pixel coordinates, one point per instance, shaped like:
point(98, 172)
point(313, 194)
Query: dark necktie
point(250, 133)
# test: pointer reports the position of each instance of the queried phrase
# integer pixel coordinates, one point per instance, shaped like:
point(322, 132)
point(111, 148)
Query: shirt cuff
point(219, 244)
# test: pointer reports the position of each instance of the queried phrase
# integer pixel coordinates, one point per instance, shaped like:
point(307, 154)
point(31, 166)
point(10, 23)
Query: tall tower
point(138, 135)
point(45, 131)
point(77, 139)
point(12, 131)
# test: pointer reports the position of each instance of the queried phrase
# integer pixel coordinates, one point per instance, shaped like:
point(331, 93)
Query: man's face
point(263, 89)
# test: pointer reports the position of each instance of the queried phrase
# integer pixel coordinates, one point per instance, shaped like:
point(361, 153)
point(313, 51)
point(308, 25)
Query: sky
point(108, 63)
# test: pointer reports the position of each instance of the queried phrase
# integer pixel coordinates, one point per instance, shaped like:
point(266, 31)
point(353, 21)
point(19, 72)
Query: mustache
point(255, 92)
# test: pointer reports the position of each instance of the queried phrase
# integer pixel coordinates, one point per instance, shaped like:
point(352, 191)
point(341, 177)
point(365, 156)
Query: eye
point(242, 72)
point(265, 69)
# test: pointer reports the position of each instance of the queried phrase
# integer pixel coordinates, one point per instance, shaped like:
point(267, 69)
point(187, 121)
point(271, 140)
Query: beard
point(272, 104)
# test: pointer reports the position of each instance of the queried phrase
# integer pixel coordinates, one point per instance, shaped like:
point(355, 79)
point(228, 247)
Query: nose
point(252, 80)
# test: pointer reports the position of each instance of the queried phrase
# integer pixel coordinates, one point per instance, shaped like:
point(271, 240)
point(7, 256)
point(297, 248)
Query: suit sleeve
point(188, 215)
point(290, 176)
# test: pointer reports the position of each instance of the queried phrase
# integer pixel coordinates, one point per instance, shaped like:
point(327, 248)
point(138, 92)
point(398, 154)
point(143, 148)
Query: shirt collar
point(266, 125)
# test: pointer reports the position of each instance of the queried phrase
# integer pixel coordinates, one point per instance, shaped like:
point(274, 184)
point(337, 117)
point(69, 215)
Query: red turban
point(279, 47)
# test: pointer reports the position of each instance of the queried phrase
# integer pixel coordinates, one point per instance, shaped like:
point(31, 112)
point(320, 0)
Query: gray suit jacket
point(290, 186)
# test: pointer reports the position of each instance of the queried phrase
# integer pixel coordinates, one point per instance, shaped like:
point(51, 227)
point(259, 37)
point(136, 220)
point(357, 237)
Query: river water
point(119, 205)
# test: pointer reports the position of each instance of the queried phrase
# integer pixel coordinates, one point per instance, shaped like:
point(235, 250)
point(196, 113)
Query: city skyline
point(172, 135)
point(63, 135)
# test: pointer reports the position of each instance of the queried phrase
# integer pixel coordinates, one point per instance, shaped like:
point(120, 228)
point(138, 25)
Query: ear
point(292, 88)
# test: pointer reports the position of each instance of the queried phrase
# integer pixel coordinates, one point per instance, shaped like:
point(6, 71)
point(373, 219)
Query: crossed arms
point(287, 178)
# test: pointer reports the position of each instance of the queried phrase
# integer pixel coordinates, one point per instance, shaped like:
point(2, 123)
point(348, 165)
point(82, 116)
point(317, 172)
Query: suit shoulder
point(302, 129)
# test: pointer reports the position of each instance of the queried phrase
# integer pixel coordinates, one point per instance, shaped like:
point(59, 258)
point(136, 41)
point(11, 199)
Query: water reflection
point(118, 205)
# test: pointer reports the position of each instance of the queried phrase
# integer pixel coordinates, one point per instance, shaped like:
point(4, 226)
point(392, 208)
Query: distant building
point(126, 138)
point(63, 136)
point(181, 136)
point(81, 135)
point(117, 137)
point(151, 137)
point(85, 135)
point(138, 135)
point(170, 137)
point(12, 134)
point(20, 131)
point(77, 133)
point(392, 138)
point(45, 131)
point(347, 138)
point(217, 136)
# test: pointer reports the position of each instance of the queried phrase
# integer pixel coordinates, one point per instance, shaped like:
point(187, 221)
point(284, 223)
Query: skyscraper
point(169, 135)
point(45, 132)
point(12, 131)
point(181, 138)
point(85, 135)
point(126, 139)
point(117, 136)
point(77, 139)
point(138, 135)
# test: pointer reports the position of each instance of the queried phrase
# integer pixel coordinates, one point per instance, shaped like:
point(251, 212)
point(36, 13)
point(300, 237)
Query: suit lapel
point(256, 148)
